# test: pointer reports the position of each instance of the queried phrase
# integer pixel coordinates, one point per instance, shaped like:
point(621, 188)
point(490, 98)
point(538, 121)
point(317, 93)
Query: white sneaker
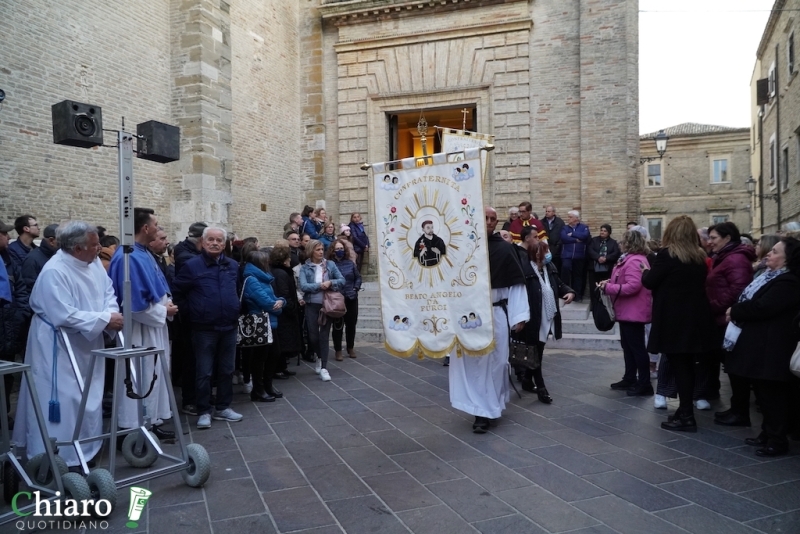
point(660, 402)
point(318, 366)
point(702, 404)
point(248, 387)
point(204, 421)
point(324, 375)
point(227, 415)
point(235, 379)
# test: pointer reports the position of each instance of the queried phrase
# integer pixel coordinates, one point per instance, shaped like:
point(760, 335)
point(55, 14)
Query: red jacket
point(730, 273)
point(515, 229)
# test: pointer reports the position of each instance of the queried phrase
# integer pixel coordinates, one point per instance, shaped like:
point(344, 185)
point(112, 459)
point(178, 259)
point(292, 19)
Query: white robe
point(479, 385)
point(77, 298)
point(149, 330)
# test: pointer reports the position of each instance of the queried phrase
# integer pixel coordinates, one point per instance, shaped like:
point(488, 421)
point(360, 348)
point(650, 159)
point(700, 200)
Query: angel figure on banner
point(463, 173)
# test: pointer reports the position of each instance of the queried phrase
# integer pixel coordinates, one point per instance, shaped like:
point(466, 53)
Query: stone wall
point(113, 55)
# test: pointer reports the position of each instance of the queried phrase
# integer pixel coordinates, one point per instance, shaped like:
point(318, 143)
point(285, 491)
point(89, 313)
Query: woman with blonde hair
point(681, 315)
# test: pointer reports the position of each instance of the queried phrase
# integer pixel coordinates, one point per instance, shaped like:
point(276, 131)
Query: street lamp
point(751, 188)
point(661, 146)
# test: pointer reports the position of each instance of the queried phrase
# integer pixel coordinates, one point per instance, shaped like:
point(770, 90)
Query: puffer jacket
point(731, 272)
point(258, 295)
point(632, 301)
point(311, 228)
point(575, 240)
point(208, 287)
point(14, 316)
point(352, 278)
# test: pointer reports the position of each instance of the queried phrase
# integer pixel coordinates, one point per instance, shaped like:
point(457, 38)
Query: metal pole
point(778, 135)
point(125, 147)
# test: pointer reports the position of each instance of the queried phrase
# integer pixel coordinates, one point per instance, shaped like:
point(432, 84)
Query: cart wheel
point(199, 466)
point(32, 469)
point(10, 482)
point(145, 458)
point(75, 487)
point(101, 484)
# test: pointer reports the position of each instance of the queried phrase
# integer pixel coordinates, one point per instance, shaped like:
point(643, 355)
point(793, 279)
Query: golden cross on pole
point(465, 112)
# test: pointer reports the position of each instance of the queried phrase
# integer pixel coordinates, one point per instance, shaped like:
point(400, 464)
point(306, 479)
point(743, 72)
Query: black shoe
point(165, 436)
point(641, 391)
point(724, 413)
point(527, 385)
point(288, 372)
point(680, 424)
point(732, 419)
point(758, 441)
point(544, 396)
point(446, 362)
point(623, 384)
point(481, 425)
point(275, 392)
point(281, 376)
point(309, 357)
point(261, 397)
point(773, 450)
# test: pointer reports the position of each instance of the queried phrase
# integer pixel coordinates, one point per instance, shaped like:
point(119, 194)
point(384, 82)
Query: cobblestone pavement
point(379, 449)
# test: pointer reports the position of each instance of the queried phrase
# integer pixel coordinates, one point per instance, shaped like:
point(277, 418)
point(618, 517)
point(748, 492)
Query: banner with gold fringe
point(432, 257)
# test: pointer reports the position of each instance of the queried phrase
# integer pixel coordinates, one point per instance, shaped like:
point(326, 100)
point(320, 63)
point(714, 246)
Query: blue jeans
point(214, 348)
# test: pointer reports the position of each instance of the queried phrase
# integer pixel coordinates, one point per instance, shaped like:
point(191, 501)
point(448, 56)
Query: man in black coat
point(14, 315)
point(553, 225)
point(34, 262)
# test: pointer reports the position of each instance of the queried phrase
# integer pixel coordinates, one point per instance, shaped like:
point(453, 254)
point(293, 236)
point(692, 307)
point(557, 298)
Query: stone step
point(369, 335)
point(576, 311)
point(586, 342)
point(584, 327)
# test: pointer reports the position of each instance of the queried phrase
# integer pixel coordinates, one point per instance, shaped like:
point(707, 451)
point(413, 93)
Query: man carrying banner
point(479, 385)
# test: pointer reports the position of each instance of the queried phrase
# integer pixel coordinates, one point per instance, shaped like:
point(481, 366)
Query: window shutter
point(762, 92)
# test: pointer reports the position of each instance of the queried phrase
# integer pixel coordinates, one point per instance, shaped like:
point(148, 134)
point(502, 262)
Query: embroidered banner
point(432, 257)
point(459, 140)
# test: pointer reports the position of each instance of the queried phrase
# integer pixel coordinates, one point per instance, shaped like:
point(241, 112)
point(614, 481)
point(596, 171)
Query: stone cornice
point(358, 11)
point(397, 39)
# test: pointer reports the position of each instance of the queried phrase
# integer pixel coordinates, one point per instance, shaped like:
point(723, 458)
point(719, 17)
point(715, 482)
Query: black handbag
point(254, 329)
point(600, 313)
point(521, 355)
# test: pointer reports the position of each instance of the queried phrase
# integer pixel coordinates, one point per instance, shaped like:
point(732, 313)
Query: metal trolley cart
point(45, 472)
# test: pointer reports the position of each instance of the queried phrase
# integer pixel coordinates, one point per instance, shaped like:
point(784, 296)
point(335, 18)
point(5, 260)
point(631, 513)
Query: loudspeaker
point(158, 142)
point(77, 124)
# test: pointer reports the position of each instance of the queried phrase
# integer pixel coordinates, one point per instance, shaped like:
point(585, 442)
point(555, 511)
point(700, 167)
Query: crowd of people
point(696, 300)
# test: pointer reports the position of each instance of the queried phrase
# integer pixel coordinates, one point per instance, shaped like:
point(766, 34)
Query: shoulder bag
point(332, 301)
point(254, 329)
point(603, 310)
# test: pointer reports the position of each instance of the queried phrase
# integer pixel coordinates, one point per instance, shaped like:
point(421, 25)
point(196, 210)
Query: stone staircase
point(576, 320)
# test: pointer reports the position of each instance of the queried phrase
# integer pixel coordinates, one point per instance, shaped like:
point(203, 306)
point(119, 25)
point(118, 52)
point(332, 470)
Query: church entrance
point(405, 139)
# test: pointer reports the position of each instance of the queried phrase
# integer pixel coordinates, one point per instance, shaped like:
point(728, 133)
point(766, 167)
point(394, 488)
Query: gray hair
point(642, 230)
point(208, 229)
point(74, 233)
point(575, 213)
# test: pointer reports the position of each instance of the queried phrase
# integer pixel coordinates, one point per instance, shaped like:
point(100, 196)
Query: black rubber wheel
point(75, 487)
point(32, 469)
point(199, 466)
point(101, 484)
point(10, 482)
point(144, 458)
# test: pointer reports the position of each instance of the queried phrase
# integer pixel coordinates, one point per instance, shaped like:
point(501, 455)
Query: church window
point(654, 175)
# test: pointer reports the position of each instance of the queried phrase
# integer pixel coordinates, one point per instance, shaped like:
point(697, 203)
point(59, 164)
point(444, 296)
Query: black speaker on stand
point(77, 124)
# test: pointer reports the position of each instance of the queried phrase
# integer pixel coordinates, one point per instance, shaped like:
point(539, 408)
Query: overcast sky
point(695, 61)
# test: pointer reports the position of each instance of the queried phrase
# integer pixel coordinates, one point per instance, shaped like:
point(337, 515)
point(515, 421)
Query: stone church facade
point(280, 102)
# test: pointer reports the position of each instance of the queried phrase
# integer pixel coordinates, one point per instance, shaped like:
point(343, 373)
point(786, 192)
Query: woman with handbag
point(682, 322)
point(632, 310)
point(318, 276)
point(544, 288)
point(352, 285)
point(259, 299)
point(761, 337)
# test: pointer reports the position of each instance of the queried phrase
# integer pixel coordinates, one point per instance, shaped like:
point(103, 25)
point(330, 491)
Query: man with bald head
point(479, 386)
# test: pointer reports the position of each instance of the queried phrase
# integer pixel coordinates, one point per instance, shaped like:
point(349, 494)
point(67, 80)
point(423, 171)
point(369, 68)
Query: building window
point(785, 169)
point(654, 175)
point(717, 219)
point(719, 171)
point(654, 227)
point(773, 161)
point(771, 80)
point(790, 53)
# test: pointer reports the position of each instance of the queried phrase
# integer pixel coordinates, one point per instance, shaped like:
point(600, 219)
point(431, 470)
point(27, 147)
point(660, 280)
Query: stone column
point(201, 106)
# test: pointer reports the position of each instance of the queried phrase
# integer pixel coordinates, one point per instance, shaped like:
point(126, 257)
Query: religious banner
point(454, 142)
point(432, 257)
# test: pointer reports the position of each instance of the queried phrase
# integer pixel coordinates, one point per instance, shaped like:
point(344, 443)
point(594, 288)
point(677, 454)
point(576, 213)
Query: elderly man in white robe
point(73, 294)
point(480, 385)
point(151, 307)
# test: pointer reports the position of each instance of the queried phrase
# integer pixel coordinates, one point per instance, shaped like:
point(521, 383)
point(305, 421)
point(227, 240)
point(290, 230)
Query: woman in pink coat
point(633, 305)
